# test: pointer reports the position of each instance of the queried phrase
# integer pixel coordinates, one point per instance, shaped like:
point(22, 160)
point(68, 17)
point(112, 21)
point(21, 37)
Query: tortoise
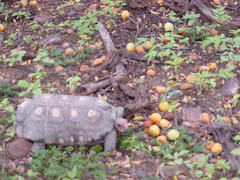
point(69, 120)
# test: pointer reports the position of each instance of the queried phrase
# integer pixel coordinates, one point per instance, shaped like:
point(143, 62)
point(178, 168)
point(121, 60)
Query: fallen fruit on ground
point(130, 47)
point(99, 61)
point(160, 2)
point(59, 68)
point(99, 44)
point(217, 2)
point(205, 118)
point(125, 14)
point(217, 148)
point(84, 68)
point(154, 130)
point(23, 2)
point(234, 121)
point(161, 139)
point(164, 39)
point(70, 32)
point(212, 65)
point(147, 123)
point(156, 148)
point(227, 119)
point(148, 46)
point(161, 89)
point(68, 51)
point(185, 86)
point(155, 117)
point(239, 114)
point(33, 3)
point(151, 72)
point(214, 32)
point(193, 57)
point(168, 26)
point(163, 123)
point(209, 145)
point(1, 27)
point(163, 106)
point(139, 49)
point(190, 78)
point(80, 49)
point(173, 134)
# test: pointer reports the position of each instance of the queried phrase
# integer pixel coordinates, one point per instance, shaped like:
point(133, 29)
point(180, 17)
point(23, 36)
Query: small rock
point(1, 37)
point(72, 13)
point(141, 174)
point(52, 39)
point(230, 88)
point(60, 49)
point(43, 18)
point(192, 114)
point(19, 148)
point(83, 1)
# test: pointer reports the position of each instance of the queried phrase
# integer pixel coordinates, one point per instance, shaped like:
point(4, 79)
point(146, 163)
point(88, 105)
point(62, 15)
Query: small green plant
point(223, 165)
point(35, 86)
point(43, 56)
point(20, 15)
point(7, 111)
point(7, 91)
point(11, 38)
point(205, 80)
point(221, 14)
point(57, 164)
point(15, 56)
point(74, 81)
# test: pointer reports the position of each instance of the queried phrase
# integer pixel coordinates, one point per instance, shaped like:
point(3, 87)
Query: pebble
point(230, 88)
point(19, 148)
point(43, 18)
point(52, 39)
point(141, 174)
point(72, 13)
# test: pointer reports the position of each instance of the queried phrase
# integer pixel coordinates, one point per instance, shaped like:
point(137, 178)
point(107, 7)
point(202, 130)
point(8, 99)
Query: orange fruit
point(164, 39)
point(239, 114)
point(190, 79)
point(59, 68)
point(33, 3)
point(1, 27)
point(151, 72)
point(160, 2)
point(168, 26)
point(23, 2)
point(154, 130)
point(209, 145)
point(84, 68)
point(204, 117)
point(68, 51)
point(214, 32)
point(173, 134)
point(163, 123)
point(99, 44)
point(70, 32)
point(161, 139)
point(216, 148)
point(147, 123)
point(185, 86)
point(80, 49)
point(99, 61)
point(139, 49)
point(163, 106)
point(217, 2)
point(155, 117)
point(161, 89)
point(193, 57)
point(212, 65)
point(148, 45)
point(125, 14)
point(105, 3)
point(226, 119)
point(130, 47)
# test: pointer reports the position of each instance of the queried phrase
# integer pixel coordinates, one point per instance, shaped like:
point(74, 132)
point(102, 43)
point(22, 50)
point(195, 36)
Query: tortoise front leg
point(37, 146)
point(110, 141)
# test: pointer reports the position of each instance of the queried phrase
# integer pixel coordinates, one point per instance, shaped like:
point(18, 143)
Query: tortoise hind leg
point(37, 146)
point(110, 141)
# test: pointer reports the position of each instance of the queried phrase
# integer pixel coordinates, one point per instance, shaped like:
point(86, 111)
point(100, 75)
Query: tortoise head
point(121, 125)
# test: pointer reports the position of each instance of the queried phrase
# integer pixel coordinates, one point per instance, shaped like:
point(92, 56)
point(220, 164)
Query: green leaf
point(23, 83)
point(236, 152)
point(37, 91)
point(73, 173)
point(210, 168)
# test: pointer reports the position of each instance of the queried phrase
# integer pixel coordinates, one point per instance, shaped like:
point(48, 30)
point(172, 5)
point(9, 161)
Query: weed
point(7, 110)
point(74, 81)
point(15, 56)
point(8, 90)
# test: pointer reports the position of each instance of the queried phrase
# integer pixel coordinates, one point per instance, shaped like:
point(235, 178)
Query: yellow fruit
point(68, 51)
point(151, 72)
point(139, 49)
point(163, 123)
point(155, 117)
point(185, 86)
point(23, 2)
point(163, 106)
point(212, 65)
point(217, 148)
point(125, 14)
point(217, 2)
point(234, 121)
point(161, 89)
point(214, 32)
point(168, 26)
point(130, 47)
point(161, 139)
point(80, 49)
point(1, 27)
point(160, 2)
point(154, 130)
point(99, 61)
point(190, 79)
point(193, 57)
point(173, 134)
point(33, 3)
point(156, 148)
point(99, 44)
point(148, 46)
point(204, 117)
point(209, 145)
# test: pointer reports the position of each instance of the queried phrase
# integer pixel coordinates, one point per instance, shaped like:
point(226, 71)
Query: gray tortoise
point(69, 120)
